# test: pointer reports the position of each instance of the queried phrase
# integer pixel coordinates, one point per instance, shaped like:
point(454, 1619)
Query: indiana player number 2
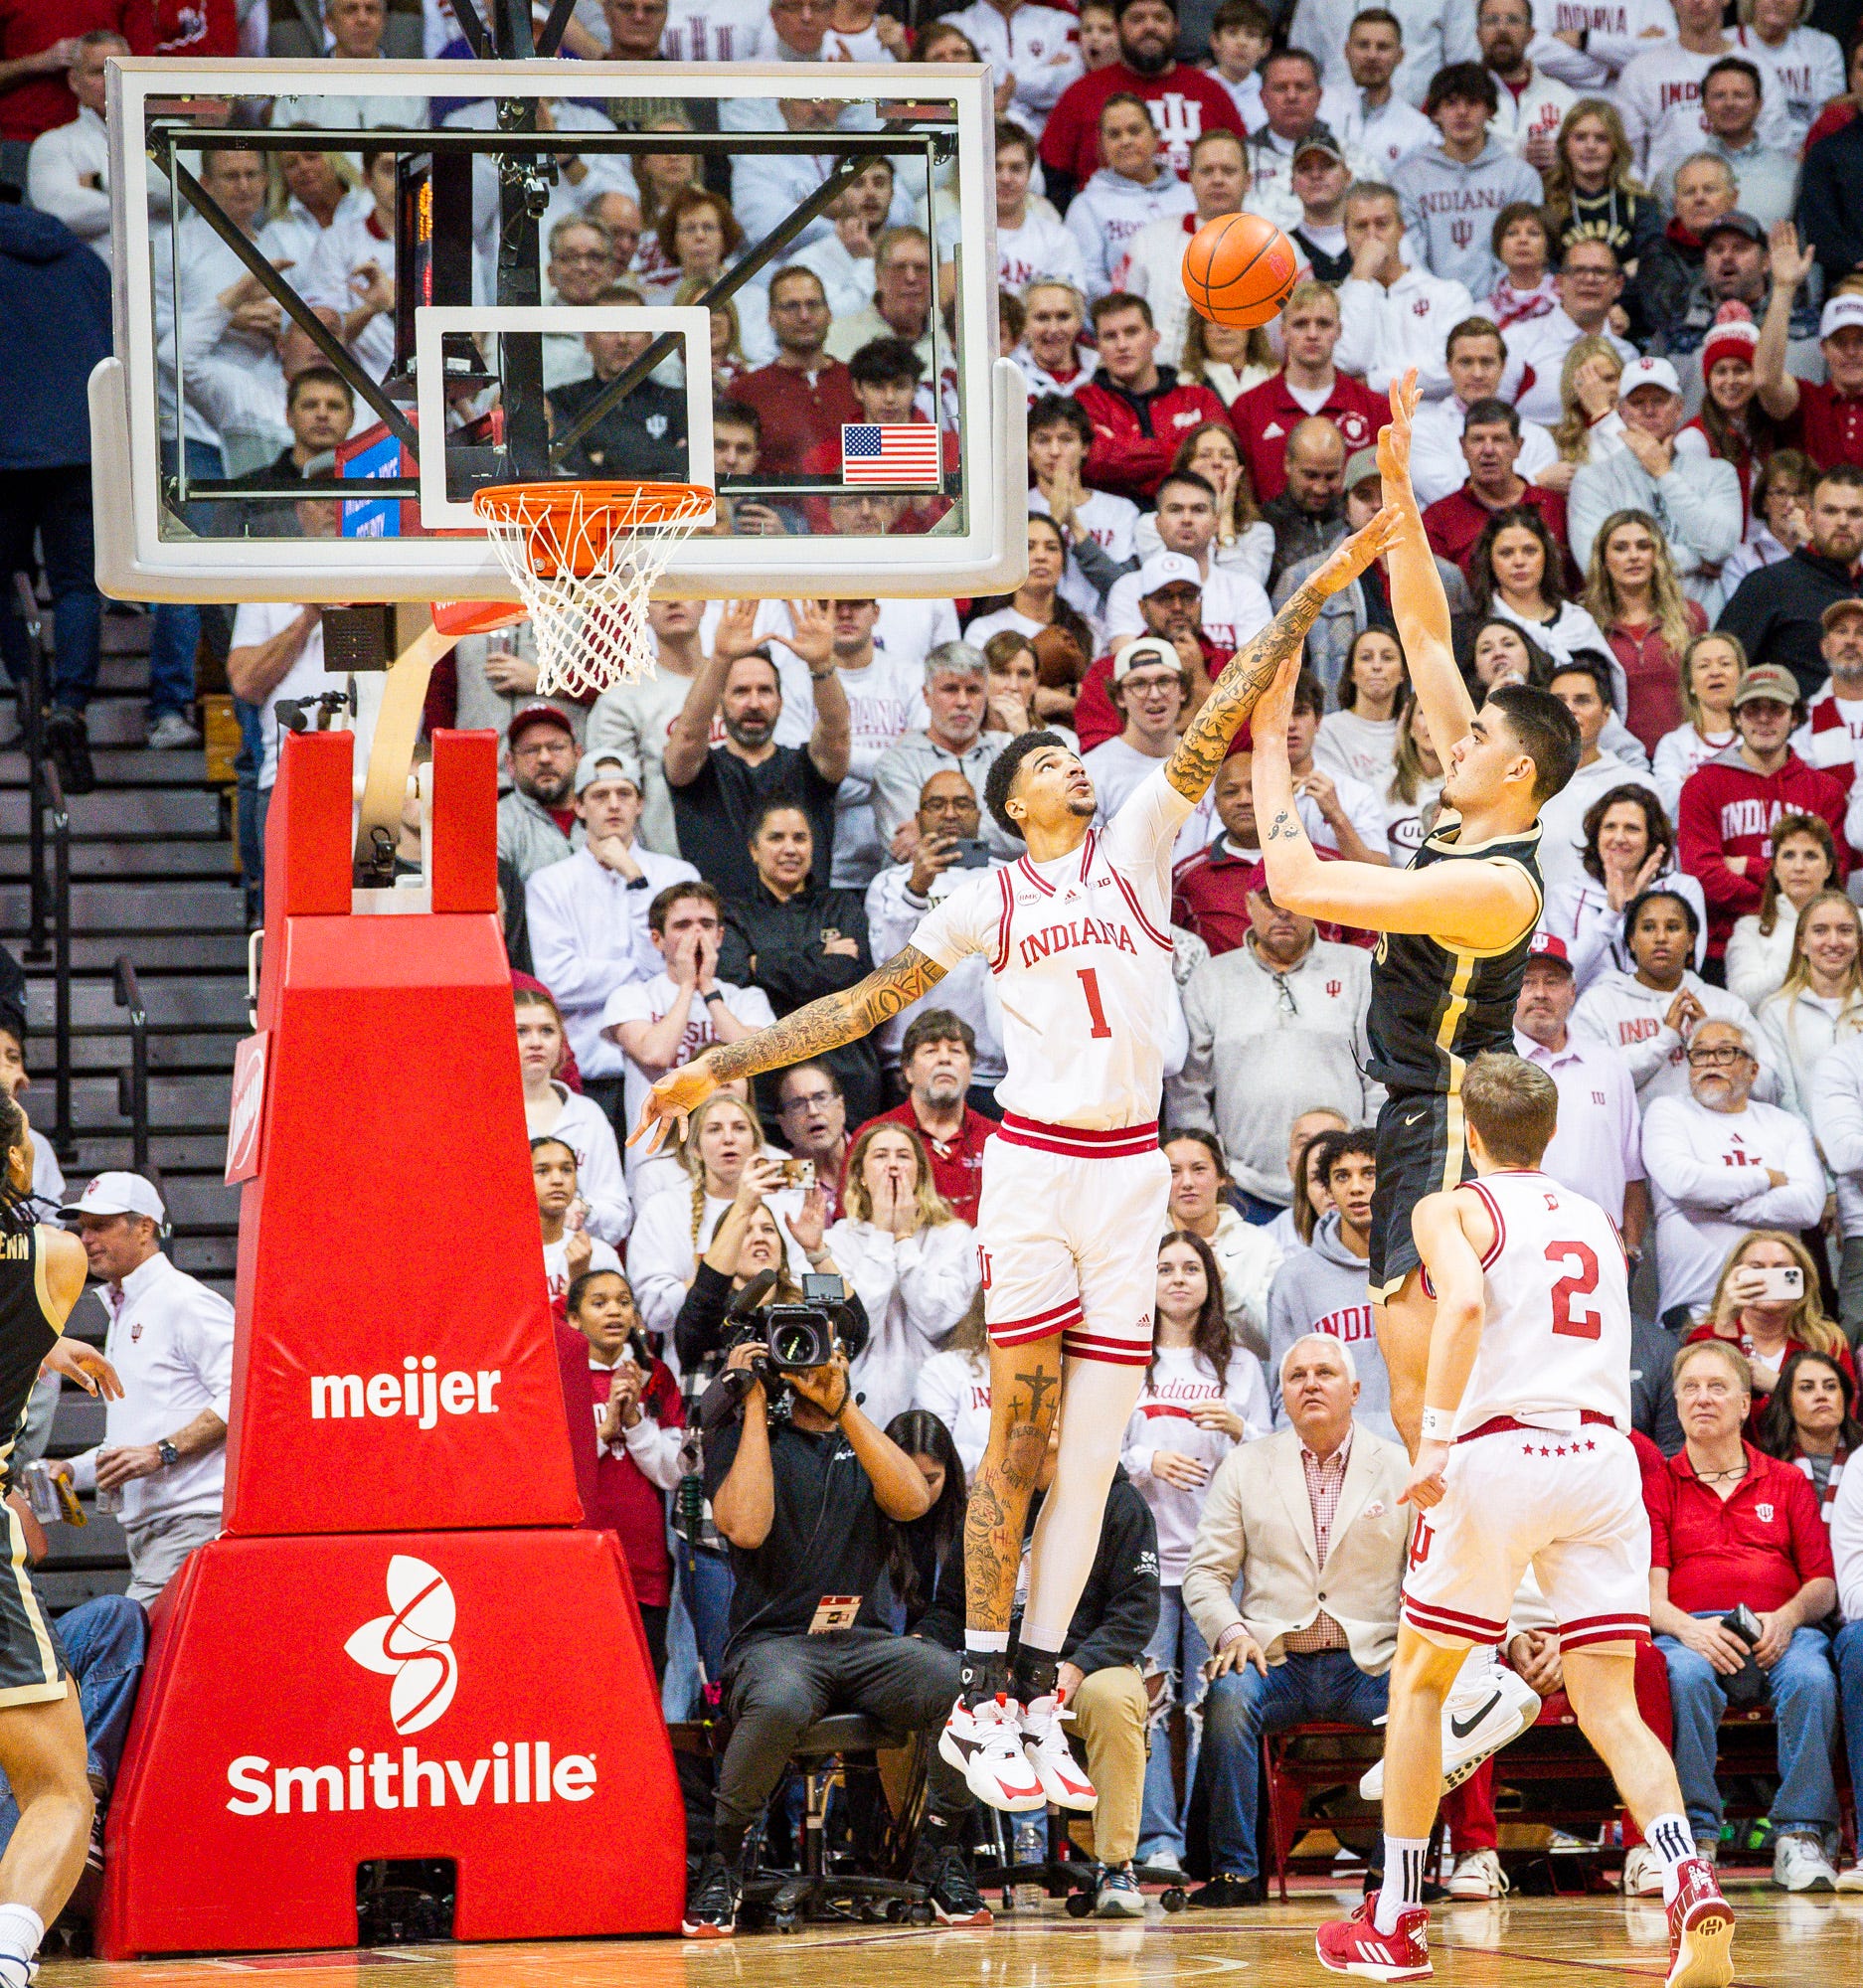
point(1089, 983)
point(1568, 1323)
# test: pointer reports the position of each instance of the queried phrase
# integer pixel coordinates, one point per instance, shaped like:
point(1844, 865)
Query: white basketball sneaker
point(984, 1744)
point(1063, 1781)
point(1489, 1707)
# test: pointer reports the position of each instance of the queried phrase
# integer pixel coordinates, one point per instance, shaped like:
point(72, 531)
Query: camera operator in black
point(803, 1502)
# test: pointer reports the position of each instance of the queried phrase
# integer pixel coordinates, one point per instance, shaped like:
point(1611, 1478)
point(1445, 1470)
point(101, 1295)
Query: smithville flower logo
point(413, 1645)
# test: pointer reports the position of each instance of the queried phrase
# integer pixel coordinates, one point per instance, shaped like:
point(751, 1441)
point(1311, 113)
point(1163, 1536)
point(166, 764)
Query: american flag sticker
point(897, 452)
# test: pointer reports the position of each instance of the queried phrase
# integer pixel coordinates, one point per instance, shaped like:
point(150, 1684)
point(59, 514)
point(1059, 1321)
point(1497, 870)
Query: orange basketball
point(1239, 269)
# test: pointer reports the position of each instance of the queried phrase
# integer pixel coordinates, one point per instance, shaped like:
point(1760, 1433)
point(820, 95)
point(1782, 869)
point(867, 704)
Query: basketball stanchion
point(403, 1650)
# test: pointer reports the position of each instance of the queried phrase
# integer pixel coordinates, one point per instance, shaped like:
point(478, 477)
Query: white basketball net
point(584, 563)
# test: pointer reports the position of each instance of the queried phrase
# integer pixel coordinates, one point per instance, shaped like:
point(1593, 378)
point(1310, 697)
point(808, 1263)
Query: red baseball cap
point(1546, 945)
point(538, 713)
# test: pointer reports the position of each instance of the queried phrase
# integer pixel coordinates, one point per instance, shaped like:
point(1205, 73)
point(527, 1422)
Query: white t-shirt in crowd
point(648, 1001)
point(956, 1387)
point(1359, 747)
point(1179, 1380)
point(258, 621)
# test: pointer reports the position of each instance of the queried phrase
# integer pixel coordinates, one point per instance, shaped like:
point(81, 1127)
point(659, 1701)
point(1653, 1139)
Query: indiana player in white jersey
point(1525, 1460)
point(1077, 935)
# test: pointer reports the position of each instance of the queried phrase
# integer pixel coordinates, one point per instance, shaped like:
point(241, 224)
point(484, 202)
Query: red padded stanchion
point(402, 1649)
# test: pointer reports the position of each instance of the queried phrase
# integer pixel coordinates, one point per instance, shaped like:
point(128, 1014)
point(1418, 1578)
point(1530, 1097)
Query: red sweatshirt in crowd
point(1137, 434)
point(617, 1497)
point(1727, 810)
point(1265, 415)
point(1453, 522)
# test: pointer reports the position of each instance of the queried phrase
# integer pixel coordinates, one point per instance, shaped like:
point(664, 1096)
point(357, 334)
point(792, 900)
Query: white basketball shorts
point(1068, 1228)
point(1568, 1502)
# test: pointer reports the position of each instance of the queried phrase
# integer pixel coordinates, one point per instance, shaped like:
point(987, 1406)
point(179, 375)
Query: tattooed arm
point(823, 1025)
point(1205, 744)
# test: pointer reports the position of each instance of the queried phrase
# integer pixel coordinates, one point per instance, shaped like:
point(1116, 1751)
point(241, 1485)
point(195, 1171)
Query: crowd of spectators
point(1629, 269)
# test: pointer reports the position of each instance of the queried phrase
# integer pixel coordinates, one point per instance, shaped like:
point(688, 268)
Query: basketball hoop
point(583, 557)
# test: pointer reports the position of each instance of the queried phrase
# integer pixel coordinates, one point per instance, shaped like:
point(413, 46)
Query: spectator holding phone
point(914, 1264)
point(1203, 1395)
point(1741, 1569)
point(811, 1116)
point(941, 841)
point(569, 1249)
point(639, 1429)
point(1768, 1304)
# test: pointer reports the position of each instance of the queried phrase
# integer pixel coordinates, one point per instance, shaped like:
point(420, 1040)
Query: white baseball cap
point(1647, 372)
point(119, 1193)
point(1840, 311)
point(1163, 570)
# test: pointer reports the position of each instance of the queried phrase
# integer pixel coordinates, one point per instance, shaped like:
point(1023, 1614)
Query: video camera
point(792, 1338)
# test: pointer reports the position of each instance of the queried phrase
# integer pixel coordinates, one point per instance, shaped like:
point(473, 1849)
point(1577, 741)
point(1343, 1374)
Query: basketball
point(1239, 269)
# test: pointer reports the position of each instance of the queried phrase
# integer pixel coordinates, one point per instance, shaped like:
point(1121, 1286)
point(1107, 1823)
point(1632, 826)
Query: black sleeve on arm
point(1061, 187)
point(943, 1621)
point(699, 1327)
point(1128, 1550)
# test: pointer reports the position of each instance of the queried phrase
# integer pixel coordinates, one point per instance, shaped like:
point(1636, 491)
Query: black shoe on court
point(946, 1874)
point(1225, 1893)
point(712, 1901)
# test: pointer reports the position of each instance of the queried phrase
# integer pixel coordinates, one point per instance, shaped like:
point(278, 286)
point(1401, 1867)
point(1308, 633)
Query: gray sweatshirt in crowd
point(1325, 1290)
point(1451, 208)
point(1266, 1046)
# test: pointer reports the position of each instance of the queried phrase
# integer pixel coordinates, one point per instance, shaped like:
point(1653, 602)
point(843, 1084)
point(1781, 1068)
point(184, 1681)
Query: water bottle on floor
point(1030, 1846)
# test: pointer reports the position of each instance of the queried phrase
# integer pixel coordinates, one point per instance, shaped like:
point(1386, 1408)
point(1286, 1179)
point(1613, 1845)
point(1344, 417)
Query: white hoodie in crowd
point(1038, 46)
point(1536, 110)
point(1623, 1014)
point(1612, 33)
point(1708, 1179)
point(956, 1387)
point(1801, 1029)
point(1809, 66)
point(1382, 332)
point(914, 1289)
point(1837, 1120)
point(1438, 466)
point(1108, 212)
point(1043, 249)
point(1578, 911)
point(1659, 96)
point(1155, 269)
point(1178, 1382)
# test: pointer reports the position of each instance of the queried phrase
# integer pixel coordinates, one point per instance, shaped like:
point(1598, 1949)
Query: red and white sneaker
point(1064, 1780)
point(1356, 1946)
point(1700, 1931)
point(984, 1744)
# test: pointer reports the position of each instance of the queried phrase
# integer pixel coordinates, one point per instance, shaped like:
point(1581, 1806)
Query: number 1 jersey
point(1557, 1336)
point(1080, 950)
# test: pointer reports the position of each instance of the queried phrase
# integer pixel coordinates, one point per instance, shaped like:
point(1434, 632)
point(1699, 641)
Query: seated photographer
point(1739, 1573)
point(569, 1247)
point(623, 1475)
point(1269, 1535)
point(1100, 1677)
point(810, 1544)
point(745, 1244)
point(912, 1262)
point(723, 1139)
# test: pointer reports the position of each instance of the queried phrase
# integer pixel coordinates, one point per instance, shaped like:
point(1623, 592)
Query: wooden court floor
point(1783, 1942)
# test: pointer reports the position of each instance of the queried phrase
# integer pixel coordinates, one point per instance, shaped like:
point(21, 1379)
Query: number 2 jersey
point(1557, 1336)
point(1080, 950)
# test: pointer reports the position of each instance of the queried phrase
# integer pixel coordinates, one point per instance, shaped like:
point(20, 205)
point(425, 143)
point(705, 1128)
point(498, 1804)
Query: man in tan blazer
point(1295, 1583)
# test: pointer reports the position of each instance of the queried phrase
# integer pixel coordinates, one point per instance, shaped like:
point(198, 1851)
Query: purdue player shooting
point(1456, 925)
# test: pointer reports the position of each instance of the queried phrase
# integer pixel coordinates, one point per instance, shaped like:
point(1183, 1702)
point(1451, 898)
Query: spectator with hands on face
point(570, 1249)
point(914, 1264)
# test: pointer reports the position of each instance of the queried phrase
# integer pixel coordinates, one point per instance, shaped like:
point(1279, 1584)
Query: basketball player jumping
point(1077, 933)
point(1445, 976)
point(1525, 1460)
point(42, 1731)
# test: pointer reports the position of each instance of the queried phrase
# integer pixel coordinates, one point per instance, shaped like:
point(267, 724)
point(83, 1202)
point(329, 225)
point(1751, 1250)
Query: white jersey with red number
point(1557, 1336)
point(1080, 950)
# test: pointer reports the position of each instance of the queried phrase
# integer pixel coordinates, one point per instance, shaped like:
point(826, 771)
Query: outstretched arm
point(1474, 906)
point(1205, 744)
point(1417, 603)
point(823, 1025)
